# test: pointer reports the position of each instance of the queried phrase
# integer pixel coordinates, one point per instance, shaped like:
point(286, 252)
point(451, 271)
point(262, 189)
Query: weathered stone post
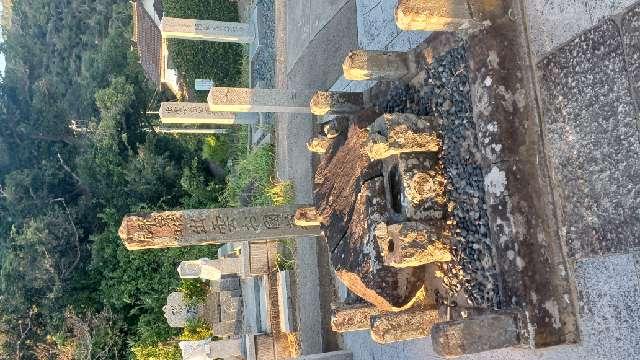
point(352, 317)
point(258, 100)
point(199, 113)
point(380, 65)
point(434, 15)
point(208, 30)
point(469, 336)
point(404, 325)
point(331, 102)
point(410, 244)
point(210, 226)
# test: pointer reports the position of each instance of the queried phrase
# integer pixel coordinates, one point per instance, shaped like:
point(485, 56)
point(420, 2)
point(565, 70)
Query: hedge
point(218, 61)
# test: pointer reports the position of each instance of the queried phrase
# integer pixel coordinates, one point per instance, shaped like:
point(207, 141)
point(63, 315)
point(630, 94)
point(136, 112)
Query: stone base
point(488, 332)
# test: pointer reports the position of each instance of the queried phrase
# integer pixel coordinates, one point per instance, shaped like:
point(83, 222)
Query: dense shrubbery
point(196, 330)
point(218, 61)
point(67, 283)
point(194, 291)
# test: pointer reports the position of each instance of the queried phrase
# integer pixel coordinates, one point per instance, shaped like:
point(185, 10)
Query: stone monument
point(177, 312)
point(208, 30)
point(210, 226)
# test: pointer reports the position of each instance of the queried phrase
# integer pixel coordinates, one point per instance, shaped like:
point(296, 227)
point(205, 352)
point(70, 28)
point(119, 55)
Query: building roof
point(148, 40)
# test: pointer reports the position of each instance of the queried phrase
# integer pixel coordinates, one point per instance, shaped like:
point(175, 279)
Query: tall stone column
point(210, 226)
point(208, 30)
point(199, 113)
point(259, 100)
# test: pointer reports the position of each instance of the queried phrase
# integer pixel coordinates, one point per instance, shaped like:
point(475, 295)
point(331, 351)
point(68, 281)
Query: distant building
point(152, 49)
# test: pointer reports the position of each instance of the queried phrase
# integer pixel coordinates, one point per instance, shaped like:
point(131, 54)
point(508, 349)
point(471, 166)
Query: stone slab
point(593, 141)
point(210, 226)
point(259, 100)
point(209, 30)
point(533, 272)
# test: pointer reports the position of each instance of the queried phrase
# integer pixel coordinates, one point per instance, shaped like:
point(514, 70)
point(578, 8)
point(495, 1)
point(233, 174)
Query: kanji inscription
point(210, 226)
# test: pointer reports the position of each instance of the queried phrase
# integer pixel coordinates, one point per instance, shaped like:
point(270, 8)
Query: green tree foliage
point(218, 61)
point(66, 282)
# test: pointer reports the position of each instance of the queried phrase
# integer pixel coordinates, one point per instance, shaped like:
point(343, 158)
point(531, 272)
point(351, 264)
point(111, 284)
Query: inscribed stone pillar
point(199, 113)
point(259, 100)
point(337, 103)
point(210, 226)
point(380, 65)
point(209, 30)
point(433, 15)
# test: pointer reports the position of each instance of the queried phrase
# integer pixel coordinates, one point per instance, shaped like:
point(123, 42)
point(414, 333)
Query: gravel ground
point(446, 95)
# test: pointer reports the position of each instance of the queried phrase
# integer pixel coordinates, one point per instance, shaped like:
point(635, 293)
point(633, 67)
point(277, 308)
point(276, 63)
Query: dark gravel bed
point(446, 95)
point(264, 62)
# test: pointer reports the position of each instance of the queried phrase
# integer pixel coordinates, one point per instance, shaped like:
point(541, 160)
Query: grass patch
point(252, 180)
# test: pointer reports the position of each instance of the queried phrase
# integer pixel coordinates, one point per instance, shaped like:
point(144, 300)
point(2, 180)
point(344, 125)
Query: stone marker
point(209, 30)
point(380, 65)
point(483, 333)
point(434, 15)
point(258, 100)
point(352, 317)
point(209, 269)
point(199, 113)
point(393, 134)
point(210, 226)
point(319, 145)
point(404, 325)
point(332, 102)
point(411, 244)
